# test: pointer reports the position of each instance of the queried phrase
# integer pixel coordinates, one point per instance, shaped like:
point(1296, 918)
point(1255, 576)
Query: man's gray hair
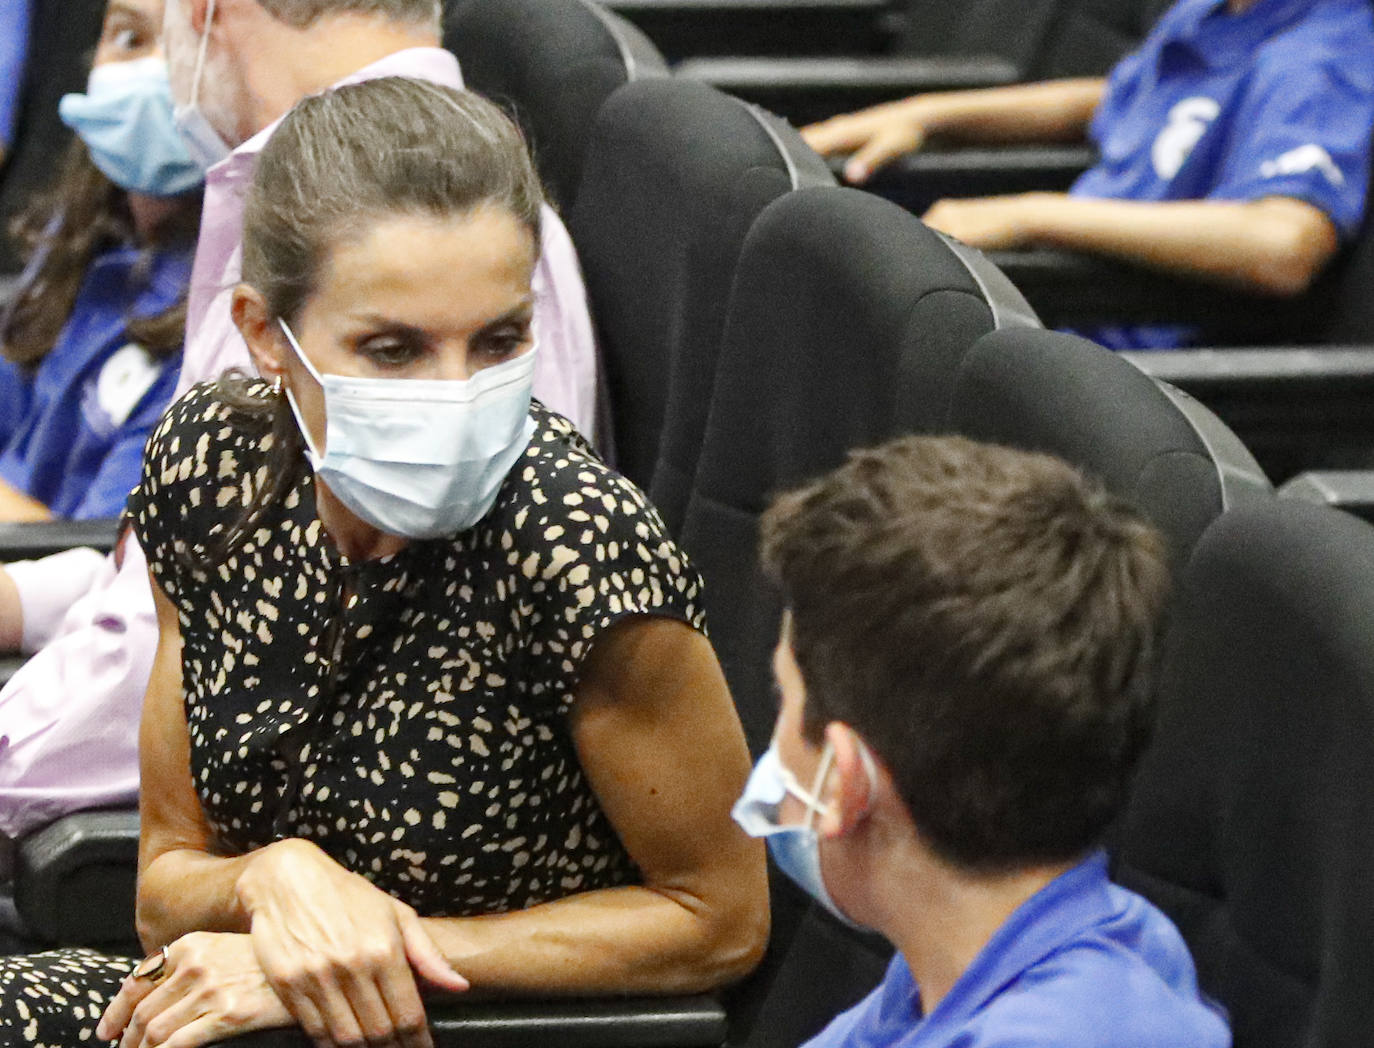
point(302, 13)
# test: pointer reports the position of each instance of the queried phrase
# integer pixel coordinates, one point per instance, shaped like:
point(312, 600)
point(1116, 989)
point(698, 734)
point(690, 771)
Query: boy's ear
point(260, 331)
point(849, 797)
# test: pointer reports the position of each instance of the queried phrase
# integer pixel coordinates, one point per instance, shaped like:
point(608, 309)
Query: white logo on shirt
point(1188, 122)
point(126, 376)
point(1304, 158)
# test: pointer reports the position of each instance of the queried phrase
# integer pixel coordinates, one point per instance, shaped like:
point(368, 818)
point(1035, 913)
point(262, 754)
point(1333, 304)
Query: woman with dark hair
point(92, 339)
point(432, 704)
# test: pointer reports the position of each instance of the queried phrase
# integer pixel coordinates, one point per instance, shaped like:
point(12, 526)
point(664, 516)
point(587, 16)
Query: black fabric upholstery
point(1046, 391)
point(1088, 37)
point(1251, 821)
point(848, 322)
point(62, 37)
point(40, 538)
point(1042, 38)
point(675, 174)
point(552, 63)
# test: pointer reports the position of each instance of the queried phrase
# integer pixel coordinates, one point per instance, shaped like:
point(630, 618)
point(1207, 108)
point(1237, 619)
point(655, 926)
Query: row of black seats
point(746, 352)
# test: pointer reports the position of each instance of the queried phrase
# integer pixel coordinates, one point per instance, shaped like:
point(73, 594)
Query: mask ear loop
point(315, 457)
point(200, 53)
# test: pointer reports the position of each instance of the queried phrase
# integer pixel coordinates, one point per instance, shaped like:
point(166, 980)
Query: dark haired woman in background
point(92, 340)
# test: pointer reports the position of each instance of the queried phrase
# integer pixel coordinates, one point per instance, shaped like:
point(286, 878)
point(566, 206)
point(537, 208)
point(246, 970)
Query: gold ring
point(151, 968)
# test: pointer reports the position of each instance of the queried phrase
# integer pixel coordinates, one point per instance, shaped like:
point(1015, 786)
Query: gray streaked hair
point(388, 146)
point(302, 13)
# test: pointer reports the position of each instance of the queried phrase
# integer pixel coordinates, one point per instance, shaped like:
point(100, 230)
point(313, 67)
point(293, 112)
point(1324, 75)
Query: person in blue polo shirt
point(964, 673)
point(92, 340)
point(1234, 146)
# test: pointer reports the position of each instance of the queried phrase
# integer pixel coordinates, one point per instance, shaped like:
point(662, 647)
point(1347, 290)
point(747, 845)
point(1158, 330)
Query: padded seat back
point(62, 36)
point(552, 64)
point(1041, 38)
point(1252, 818)
point(848, 322)
point(675, 174)
point(1047, 391)
point(1089, 37)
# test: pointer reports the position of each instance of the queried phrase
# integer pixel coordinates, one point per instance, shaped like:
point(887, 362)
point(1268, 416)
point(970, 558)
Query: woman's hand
point(211, 987)
point(340, 953)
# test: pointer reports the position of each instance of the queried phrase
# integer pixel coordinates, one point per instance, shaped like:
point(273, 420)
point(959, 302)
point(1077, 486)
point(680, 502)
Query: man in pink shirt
point(69, 716)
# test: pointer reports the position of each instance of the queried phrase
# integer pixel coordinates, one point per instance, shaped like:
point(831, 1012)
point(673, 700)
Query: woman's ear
point(260, 331)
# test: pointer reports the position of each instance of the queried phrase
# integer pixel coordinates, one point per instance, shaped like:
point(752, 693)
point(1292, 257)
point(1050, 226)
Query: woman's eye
point(128, 40)
point(391, 351)
point(498, 345)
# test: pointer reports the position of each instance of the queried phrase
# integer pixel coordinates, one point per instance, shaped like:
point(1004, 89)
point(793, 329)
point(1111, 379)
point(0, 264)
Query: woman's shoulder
point(564, 481)
point(209, 446)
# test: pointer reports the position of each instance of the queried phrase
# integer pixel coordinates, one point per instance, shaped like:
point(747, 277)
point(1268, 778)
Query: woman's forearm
point(185, 890)
point(617, 940)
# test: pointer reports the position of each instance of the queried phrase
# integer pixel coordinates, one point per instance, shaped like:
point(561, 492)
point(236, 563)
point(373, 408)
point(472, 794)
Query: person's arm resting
point(661, 746)
point(1275, 245)
point(18, 508)
point(1054, 111)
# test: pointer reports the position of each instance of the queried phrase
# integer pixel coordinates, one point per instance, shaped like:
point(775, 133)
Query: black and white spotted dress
point(408, 714)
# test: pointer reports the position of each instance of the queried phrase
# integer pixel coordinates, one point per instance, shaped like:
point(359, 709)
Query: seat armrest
point(40, 539)
point(1072, 289)
point(917, 180)
point(652, 1022)
point(1349, 489)
point(809, 89)
point(74, 879)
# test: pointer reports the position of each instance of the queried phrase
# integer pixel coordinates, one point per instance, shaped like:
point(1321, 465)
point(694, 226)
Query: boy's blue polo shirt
point(1083, 963)
point(74, 428)
point(1275, 101)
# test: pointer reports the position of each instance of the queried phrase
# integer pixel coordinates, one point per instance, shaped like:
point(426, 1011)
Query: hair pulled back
point(393, 146)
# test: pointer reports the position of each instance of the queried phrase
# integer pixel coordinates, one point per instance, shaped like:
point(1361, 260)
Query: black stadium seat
point(674, 176)
point(1046, 391)
point(553, 64)
point(62, 36)
point(847, 324)
point(1251, 822)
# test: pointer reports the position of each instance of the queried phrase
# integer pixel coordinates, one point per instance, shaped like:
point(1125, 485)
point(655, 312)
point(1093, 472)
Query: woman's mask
point(421, 458)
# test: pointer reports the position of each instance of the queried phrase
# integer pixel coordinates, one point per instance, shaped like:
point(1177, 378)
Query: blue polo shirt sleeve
point(14, 45)
point(1303, 131)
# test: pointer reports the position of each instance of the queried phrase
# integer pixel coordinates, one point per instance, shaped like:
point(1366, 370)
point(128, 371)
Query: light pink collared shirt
point(69, 716)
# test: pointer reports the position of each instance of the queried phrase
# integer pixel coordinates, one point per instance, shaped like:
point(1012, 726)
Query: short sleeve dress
point(410, 714)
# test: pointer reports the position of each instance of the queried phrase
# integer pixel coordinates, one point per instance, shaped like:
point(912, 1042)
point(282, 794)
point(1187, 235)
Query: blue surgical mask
point(125, 120)
point(420, 458)
point(795, 849)
point(199, 135)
